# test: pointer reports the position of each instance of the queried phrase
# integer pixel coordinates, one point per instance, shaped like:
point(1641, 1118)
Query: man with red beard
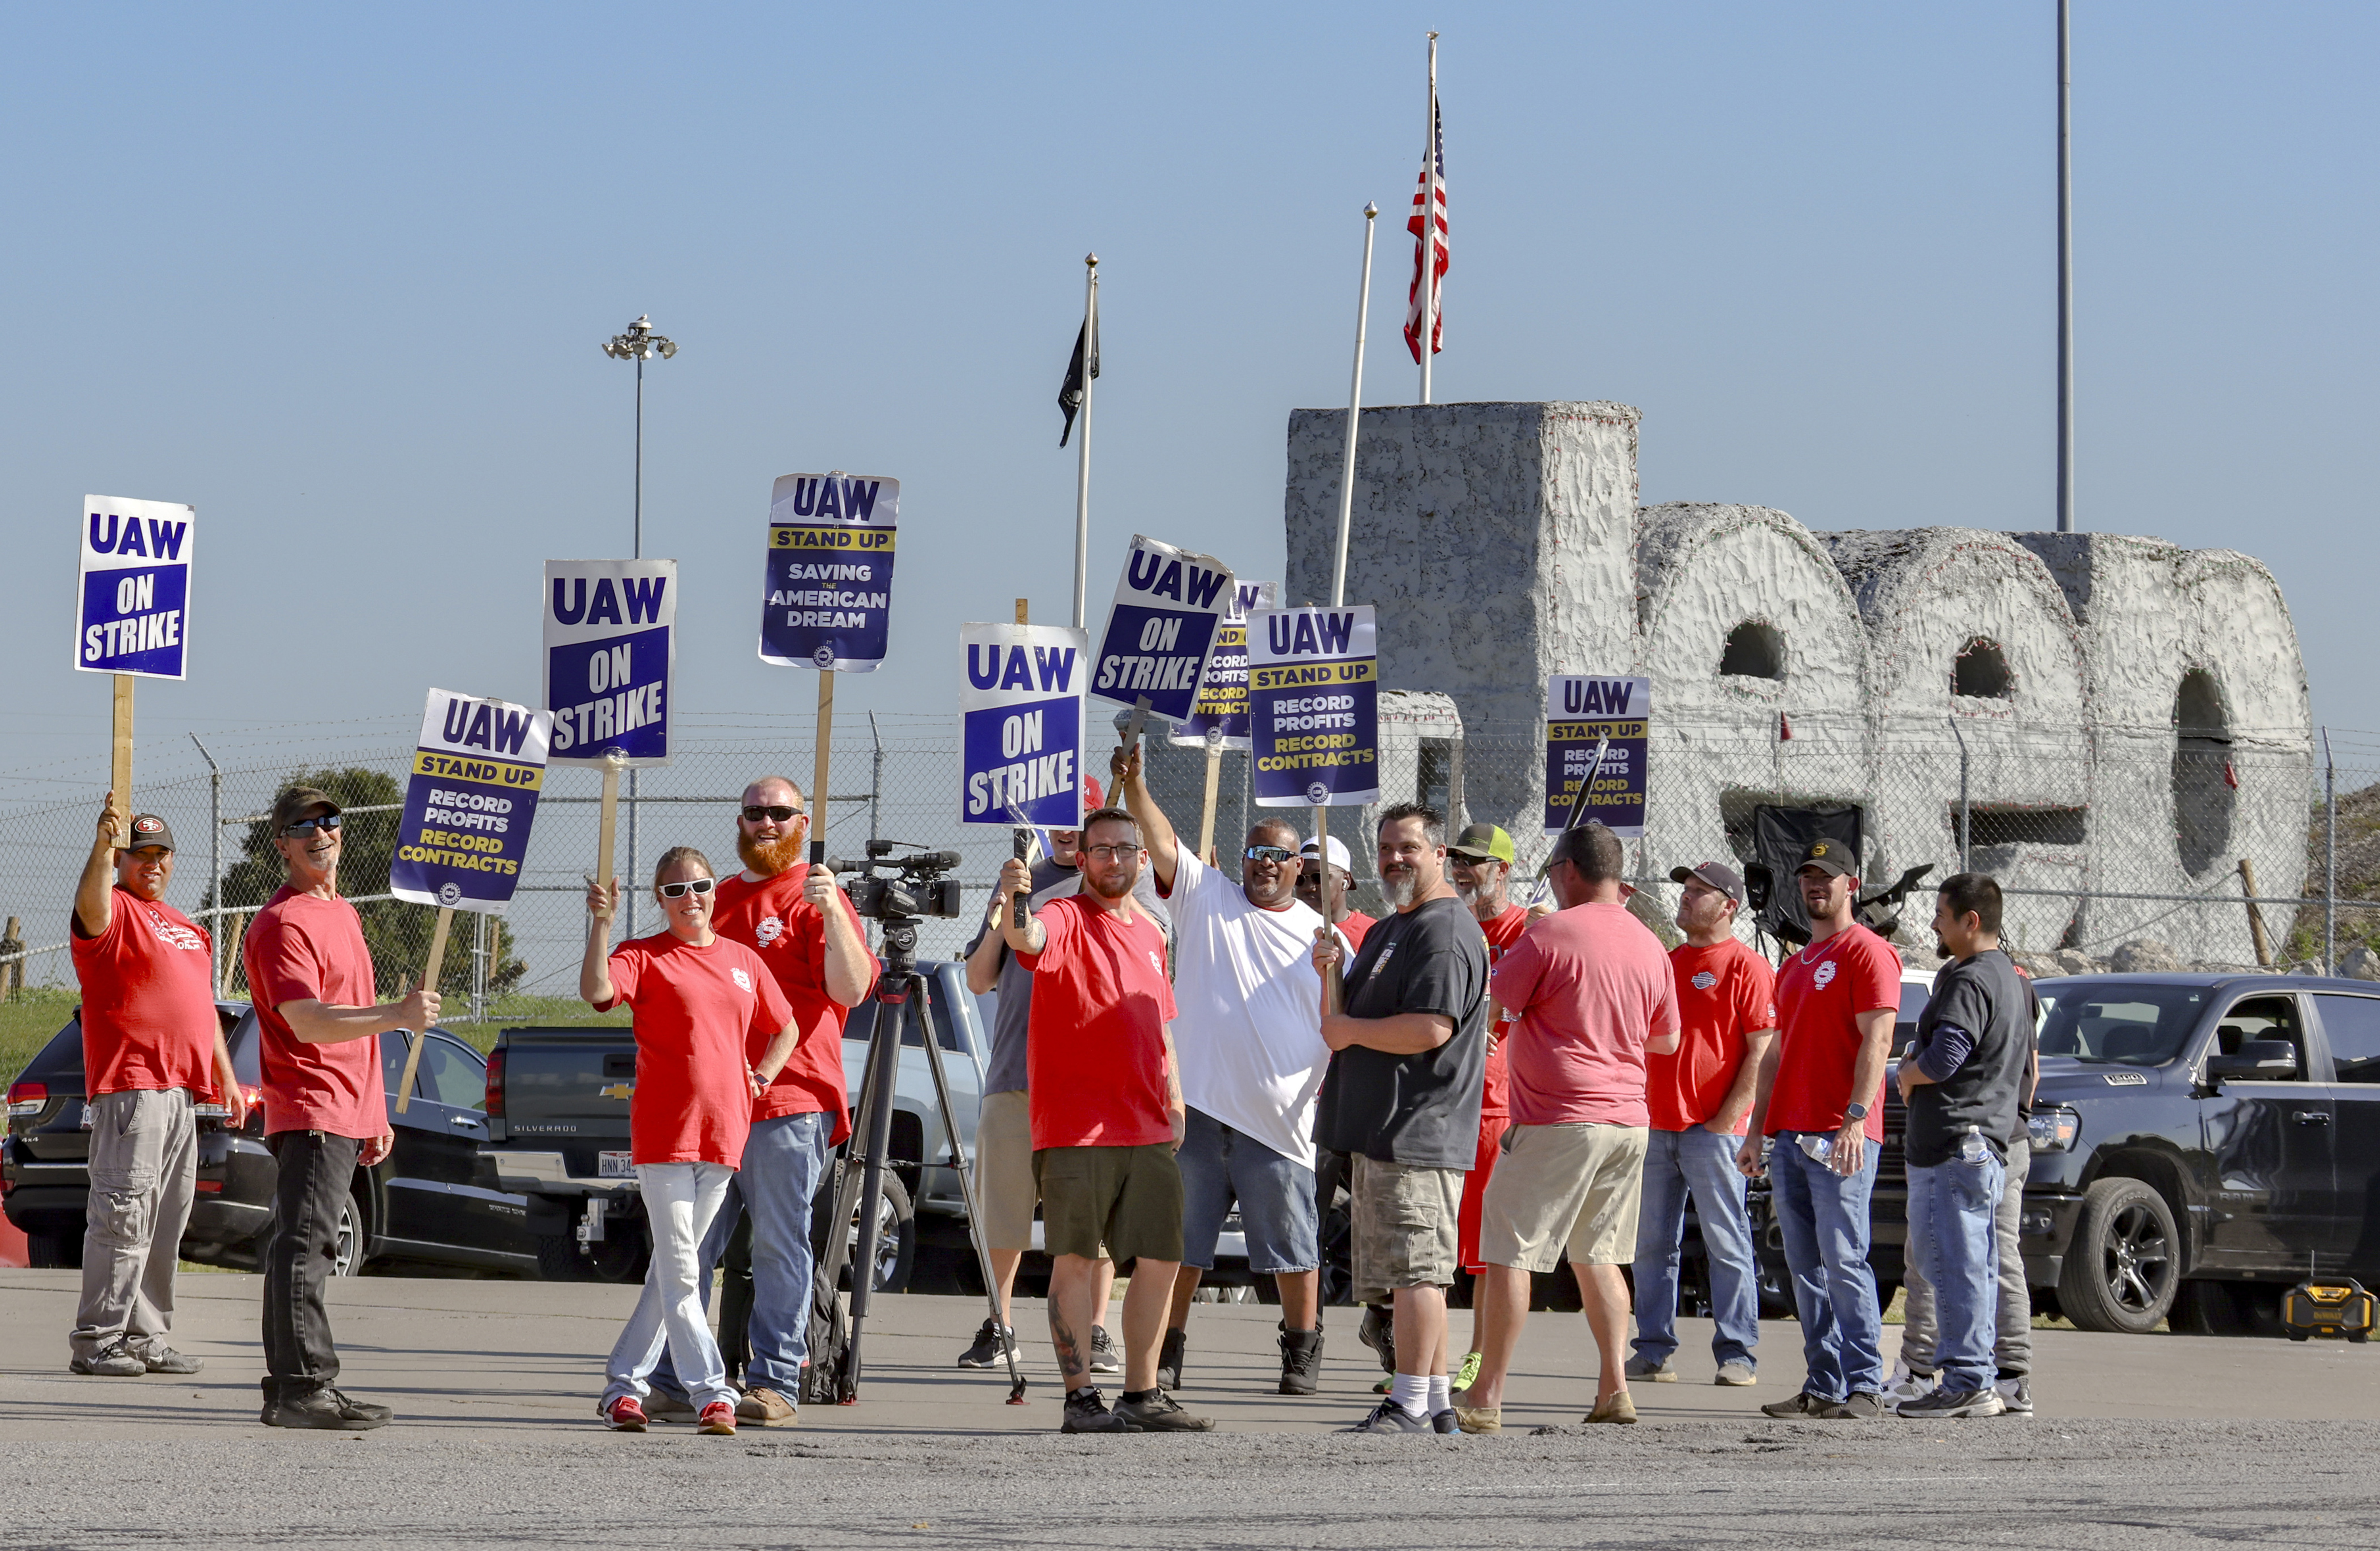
point(805, 931)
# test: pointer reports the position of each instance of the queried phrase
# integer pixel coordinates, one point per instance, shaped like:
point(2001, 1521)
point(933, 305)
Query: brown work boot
point(768, 1408)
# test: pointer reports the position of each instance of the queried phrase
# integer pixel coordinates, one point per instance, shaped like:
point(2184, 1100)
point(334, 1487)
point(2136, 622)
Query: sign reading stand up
point(1583, 711)
point(1222, 704)
point(477, 772)
point(1314, 707)
point(611, 648)
point(829, 590)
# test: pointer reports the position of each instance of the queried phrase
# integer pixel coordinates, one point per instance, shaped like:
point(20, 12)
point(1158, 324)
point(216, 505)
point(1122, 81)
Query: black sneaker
point(1863, 1406)
point(166, 1360)
point(1300, 1360)
point(366, 1410)
point(1446, 1423)
point(1378, 1331)
point(1804, 1404)
point(1087, 1412)
point(1169, 1359)
point(321, 1411)
point(1951, 1402)
point(1159, 1413)
point(1104, 1358)
point(1390, 1417)
point(116, 1360)
point(992, 1345)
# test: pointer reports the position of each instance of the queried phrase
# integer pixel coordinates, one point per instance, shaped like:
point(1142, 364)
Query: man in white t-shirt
point(1247, 1031)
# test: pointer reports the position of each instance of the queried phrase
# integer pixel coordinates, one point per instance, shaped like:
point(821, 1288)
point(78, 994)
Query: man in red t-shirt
point(805, 931)
point(1317, 882)
point(1699, 1096)
point(325, 1113)
point(1820, 1095)
point(1105, 1097)
point(1479, 864)
point(152, 1048)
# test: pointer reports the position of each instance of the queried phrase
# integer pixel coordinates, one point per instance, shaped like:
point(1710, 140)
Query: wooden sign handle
point(430, 981)
point(119, 765)
point(818, 766)
point(607, 822)
point(1207, 811)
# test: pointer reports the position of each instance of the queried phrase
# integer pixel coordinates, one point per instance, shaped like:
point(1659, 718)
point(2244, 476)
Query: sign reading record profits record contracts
point(1022, 705)
point(1222, 705)
point(134, 613)
point(1313, 680)
point(1581, 710)
point(1168, 604)
point(829, 583)
point(611, 645)
point(468, 807)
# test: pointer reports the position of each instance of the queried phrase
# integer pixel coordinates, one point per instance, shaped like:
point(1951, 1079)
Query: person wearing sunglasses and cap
point(325, 1109)
point(153, 1049)
point(699, 1002)
point(1337, 880)
point(1479, 865)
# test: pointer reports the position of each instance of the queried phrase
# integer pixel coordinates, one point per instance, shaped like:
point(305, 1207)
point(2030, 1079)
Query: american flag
point(1418, 225)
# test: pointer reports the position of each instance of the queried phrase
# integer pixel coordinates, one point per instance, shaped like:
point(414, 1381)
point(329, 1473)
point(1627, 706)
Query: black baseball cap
point(148, 830)
point(291, 805)
point(1719, 875)
point(1831, 857)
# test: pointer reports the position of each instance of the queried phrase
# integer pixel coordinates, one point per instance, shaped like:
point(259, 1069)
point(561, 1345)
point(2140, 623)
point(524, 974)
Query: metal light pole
point(639, 344)
point(2065, 271)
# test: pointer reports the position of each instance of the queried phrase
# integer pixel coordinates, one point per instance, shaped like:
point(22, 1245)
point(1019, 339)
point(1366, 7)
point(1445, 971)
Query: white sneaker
point(1906, 1385)
point(2016, 1395)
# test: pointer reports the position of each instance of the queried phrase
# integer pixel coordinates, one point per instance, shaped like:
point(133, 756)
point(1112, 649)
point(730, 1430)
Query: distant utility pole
point(2065, 269)
point(639, 344)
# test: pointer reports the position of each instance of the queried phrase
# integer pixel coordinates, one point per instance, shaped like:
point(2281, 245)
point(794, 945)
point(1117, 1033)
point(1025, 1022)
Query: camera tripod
point(902, 997)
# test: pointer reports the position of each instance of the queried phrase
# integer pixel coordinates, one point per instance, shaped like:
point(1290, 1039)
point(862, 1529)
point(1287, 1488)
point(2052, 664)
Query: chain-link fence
point(2136, 848)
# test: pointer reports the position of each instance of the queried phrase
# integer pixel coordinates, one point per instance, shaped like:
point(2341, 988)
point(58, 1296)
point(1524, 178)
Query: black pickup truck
point(558, 1135)
point(2200, 1143)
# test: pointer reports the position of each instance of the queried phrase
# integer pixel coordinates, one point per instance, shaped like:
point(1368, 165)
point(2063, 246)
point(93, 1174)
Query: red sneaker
point(719, 1418)
point(624, 1415)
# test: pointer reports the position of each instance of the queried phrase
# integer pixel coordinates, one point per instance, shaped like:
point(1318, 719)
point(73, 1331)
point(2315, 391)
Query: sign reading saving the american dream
point(1313, 680)
point(1222, 703)
point(829, 593)
point(135, 611)
point(1581, 710)
point(468, 807)
point(1169, 605)
point(1022, 704)
point(611, 647)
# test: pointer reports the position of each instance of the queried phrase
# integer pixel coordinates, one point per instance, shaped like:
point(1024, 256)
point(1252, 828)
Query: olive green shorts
point(1126, 1199)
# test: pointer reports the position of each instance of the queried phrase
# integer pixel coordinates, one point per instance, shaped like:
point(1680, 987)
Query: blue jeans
point(1952, 1233)
point(1276, 1196)
point(1823, 1215)
point(783, 1160)
point(1675, 1163)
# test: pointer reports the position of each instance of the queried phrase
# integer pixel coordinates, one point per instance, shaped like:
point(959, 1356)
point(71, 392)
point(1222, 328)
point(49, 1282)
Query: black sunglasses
point(1269, 853)
point(754, 814)
point(679, 891)
point(328, 823)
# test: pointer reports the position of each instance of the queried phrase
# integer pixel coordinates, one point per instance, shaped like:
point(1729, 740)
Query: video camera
point(917, 887)
point(1879, 912)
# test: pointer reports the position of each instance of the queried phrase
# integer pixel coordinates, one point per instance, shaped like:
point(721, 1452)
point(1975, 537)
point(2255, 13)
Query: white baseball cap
point(1338, 858)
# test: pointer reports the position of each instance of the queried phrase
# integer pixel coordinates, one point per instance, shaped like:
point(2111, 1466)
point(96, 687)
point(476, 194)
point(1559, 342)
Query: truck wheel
point(896, 1229)
point(2119, 1273)
point(557, 1259)
point(347, 1254)
point(2204, 1308)
point(54, 1252)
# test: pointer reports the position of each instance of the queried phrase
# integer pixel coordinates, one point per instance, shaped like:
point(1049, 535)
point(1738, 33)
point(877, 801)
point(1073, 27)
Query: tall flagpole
point(2065, 272)
point(1083, 454)
point(1429, 226)
point(1354, 407)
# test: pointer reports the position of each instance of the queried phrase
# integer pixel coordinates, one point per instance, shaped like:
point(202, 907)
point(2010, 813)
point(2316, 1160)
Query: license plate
point(614, 1165)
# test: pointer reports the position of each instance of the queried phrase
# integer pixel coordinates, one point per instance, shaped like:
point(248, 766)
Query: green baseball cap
point(1484, 842)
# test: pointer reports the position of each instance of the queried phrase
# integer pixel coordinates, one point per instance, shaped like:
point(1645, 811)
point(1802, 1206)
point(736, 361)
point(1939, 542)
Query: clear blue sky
point(337, 275)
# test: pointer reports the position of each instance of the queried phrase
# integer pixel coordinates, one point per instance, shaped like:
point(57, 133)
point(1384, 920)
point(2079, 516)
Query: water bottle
point(1972, 1148)
point(1818, 1149)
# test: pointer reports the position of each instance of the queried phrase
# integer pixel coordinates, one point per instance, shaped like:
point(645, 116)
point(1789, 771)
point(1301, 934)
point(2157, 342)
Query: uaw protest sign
point(1313, 680)
point(1169, 605)
point(1581, 710)
point(469, 804)
point(134, 616)
point(1022, 706)
point(610, 648)
point(1222, 703)
point(828, 595)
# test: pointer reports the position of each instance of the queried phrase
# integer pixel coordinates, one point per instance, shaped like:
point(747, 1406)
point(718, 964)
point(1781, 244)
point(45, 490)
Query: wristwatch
point(1854, 1111)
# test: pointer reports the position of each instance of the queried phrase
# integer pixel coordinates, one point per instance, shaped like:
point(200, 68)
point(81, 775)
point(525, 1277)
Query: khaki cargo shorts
point(1403, 1225)
point(1004, 1191)
point(1557, 1186)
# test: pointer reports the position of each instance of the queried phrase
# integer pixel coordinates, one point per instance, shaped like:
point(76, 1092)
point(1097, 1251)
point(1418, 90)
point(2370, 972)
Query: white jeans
point(680, 1201)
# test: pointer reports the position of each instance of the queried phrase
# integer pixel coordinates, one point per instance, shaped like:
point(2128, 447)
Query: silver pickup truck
point(558, 1135)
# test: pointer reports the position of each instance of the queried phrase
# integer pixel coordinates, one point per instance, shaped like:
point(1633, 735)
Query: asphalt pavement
point(2152, 1439)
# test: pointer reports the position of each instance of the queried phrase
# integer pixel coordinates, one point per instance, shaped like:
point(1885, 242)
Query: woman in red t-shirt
point(695, 997)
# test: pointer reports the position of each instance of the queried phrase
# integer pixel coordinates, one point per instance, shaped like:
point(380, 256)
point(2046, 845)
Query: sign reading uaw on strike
point(1169, 605)
point(1313, 680)
point(135, 614)
point(476, 775)
point(1022, 704)
point(610, 645)
point(1581, 712)
point(1222, 704)
point(829, 583)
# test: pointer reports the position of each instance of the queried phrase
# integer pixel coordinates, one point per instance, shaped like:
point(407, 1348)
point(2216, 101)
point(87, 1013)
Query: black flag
point(1084, 366)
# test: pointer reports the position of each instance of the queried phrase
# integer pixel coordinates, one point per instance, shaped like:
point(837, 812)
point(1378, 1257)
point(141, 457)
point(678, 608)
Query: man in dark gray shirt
point(1961, 1081)
point(1409, 1041)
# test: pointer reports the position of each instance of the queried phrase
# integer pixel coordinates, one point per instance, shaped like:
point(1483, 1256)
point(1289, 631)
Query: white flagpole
point(1429, 223)
point(1083, 454)
point(1354, 407)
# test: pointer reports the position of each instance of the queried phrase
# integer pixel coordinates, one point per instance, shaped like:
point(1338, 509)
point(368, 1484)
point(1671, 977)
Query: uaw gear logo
point(1704, 981)
point(769, 930)
point(1825, 975)
point(823, 657)
point(450, 894)
point(1317, 794)
point(742, 978)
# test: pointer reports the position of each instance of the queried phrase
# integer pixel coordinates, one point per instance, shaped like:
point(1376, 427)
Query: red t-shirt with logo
point(1502, 933)
point(698, 1012)
point(771, 917)
point(304, 948)
point(1354, 927)
point(148, 1000)
point(1725, 991)
point(1819, 994)
point(1095, 1047)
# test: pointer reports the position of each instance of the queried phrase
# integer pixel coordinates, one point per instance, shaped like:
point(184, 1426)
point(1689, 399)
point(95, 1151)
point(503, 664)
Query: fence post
point(214, 846)
point(875, 783)
point(2255, 916)
point(1966, 825)
point(12, 974)
point(2329, 859)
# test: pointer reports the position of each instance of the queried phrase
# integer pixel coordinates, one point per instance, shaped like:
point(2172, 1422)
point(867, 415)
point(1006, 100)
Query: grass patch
point(31, 1018)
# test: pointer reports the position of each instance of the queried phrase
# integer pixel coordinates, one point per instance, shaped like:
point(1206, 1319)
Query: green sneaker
point(1383, 1388)
point(1470, 1371)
